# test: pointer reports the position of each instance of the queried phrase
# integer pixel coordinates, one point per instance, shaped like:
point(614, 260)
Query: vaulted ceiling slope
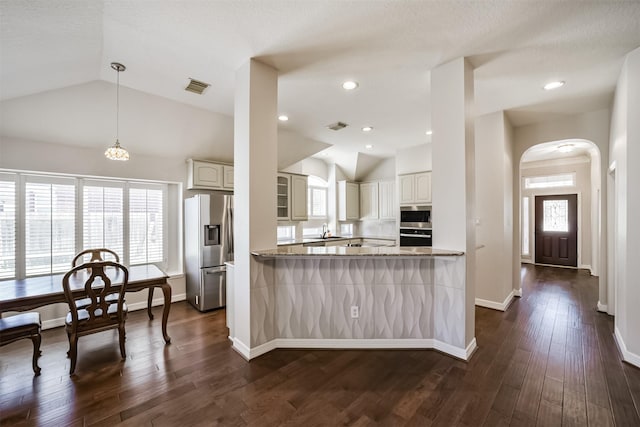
point(388, 46)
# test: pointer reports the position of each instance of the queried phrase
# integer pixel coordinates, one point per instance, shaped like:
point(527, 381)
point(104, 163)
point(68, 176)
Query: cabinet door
point(227, 179)
point(206, 175)
point(423, 187)
point(283, 197)
point(406, 189)
point(387, 199)
point(348, 201)
point(299, 196)
point(353, 201)
point(369, 200)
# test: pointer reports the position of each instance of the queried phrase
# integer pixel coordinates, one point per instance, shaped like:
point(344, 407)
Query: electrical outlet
point(355, 312)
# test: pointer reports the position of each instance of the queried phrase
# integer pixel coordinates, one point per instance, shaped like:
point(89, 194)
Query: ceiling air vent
point(337, 126)
point(196, 86)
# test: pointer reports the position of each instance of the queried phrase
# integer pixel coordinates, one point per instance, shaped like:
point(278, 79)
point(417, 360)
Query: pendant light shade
point(116, 151)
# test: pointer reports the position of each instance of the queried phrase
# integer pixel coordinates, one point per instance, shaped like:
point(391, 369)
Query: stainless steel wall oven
point(415, 226)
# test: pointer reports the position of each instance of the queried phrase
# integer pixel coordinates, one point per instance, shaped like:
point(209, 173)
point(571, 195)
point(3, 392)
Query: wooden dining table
point(34, 292)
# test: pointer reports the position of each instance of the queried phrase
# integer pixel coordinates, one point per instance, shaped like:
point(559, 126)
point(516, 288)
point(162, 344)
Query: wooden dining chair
point(21, 326)
point(99, 254)
point(93, 255)
point(93, 281)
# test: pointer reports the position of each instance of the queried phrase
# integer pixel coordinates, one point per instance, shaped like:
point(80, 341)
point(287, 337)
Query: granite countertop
point(331, 239)
point(332, 251)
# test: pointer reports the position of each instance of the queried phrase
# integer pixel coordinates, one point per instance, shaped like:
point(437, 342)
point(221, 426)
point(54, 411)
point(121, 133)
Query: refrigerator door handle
point(215, 270)
point(229, 228)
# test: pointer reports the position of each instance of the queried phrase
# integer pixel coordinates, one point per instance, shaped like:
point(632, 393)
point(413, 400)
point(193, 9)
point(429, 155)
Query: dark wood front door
point(557, 230)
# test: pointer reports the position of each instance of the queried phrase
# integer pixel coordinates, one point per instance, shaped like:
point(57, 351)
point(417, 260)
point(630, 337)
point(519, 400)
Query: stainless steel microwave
point(415, 216)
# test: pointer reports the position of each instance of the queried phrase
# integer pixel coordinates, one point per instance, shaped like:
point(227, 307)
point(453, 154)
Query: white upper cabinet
point(369, 200)
point(204, 175)
point(387, 199)
point(377, 200)
point(415, 188)
point(292, 197)
point(299, 196)
point(423, 187)
point(348, 201)
point(227, 178)
point(407, 185)
point(283, 197)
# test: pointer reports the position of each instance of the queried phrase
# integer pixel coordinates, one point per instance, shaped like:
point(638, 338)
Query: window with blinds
point(49, 226)
point(103, 217)
point(45, 220)
point(145, 225)
point(317, 197)
point(8, 221)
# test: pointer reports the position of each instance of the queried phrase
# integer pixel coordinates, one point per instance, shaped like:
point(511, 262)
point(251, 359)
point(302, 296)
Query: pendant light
point(116, 152)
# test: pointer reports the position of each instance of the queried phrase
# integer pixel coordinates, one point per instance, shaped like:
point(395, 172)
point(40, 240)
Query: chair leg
point(69, 339)
point(73, 352)
point(36, 339)
point(122, 339)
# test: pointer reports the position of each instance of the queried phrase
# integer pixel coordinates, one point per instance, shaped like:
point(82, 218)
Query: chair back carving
point(96, 279)
point(98, 254)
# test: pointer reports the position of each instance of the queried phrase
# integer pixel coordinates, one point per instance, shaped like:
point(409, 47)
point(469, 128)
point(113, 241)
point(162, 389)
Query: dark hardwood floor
point(549, 360)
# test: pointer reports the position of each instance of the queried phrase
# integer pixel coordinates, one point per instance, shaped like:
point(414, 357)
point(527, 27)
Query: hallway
point(549, 360)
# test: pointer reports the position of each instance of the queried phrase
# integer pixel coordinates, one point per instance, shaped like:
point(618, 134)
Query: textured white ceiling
point(388, 46)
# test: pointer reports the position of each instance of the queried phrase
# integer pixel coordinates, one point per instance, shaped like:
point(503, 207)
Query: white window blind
point(46, 219)
point(318, 202)
point(7, 226)
point(317, 197)
point(146, 225)
point(103, 217)
point(49, 217)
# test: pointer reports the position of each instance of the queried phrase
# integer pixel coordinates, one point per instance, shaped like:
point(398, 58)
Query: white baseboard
point(517, 292)
point(460, 353)
point(142, 305)
point(155, 302)
point(252, 353)
point(586, 267)
point(53, 323)
point(602, 307)
point(627, 356)
point(502, 306)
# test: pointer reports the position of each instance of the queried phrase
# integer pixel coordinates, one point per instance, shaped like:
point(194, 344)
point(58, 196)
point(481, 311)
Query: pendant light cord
point(118, 107)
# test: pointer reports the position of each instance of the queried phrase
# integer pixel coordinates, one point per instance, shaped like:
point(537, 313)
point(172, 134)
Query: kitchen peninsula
point(357, 297)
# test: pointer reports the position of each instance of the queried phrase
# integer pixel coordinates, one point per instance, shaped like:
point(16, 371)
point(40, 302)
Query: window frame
point(21, 178)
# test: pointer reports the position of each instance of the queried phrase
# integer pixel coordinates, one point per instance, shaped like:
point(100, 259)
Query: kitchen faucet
point(325, 230)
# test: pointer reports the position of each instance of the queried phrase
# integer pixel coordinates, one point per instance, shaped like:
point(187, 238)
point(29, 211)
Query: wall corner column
point(453, 187)
point(255, 223)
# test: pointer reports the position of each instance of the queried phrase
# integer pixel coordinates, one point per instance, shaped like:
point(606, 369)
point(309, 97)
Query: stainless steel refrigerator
point(208, 240)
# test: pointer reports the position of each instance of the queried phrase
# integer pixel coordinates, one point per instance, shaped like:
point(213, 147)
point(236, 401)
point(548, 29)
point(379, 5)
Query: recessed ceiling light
point(367, 129)
point(283, 118)
point(565, 148)
point(429, 132)
point(553, 85)
point(349, 85)
point(368, 146)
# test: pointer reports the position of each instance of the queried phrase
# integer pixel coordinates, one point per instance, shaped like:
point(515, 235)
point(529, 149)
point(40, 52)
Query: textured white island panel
point(403, 302)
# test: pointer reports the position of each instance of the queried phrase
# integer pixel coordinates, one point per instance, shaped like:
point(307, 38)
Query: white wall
point(414, 159)
point(625, 191)
point(309, 166)
point(385, 170)
point(494, 211)
point(582, 168)
point(84, 116)
point(592, 126)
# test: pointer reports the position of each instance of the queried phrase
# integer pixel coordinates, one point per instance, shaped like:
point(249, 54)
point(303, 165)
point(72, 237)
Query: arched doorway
point(547, 172)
